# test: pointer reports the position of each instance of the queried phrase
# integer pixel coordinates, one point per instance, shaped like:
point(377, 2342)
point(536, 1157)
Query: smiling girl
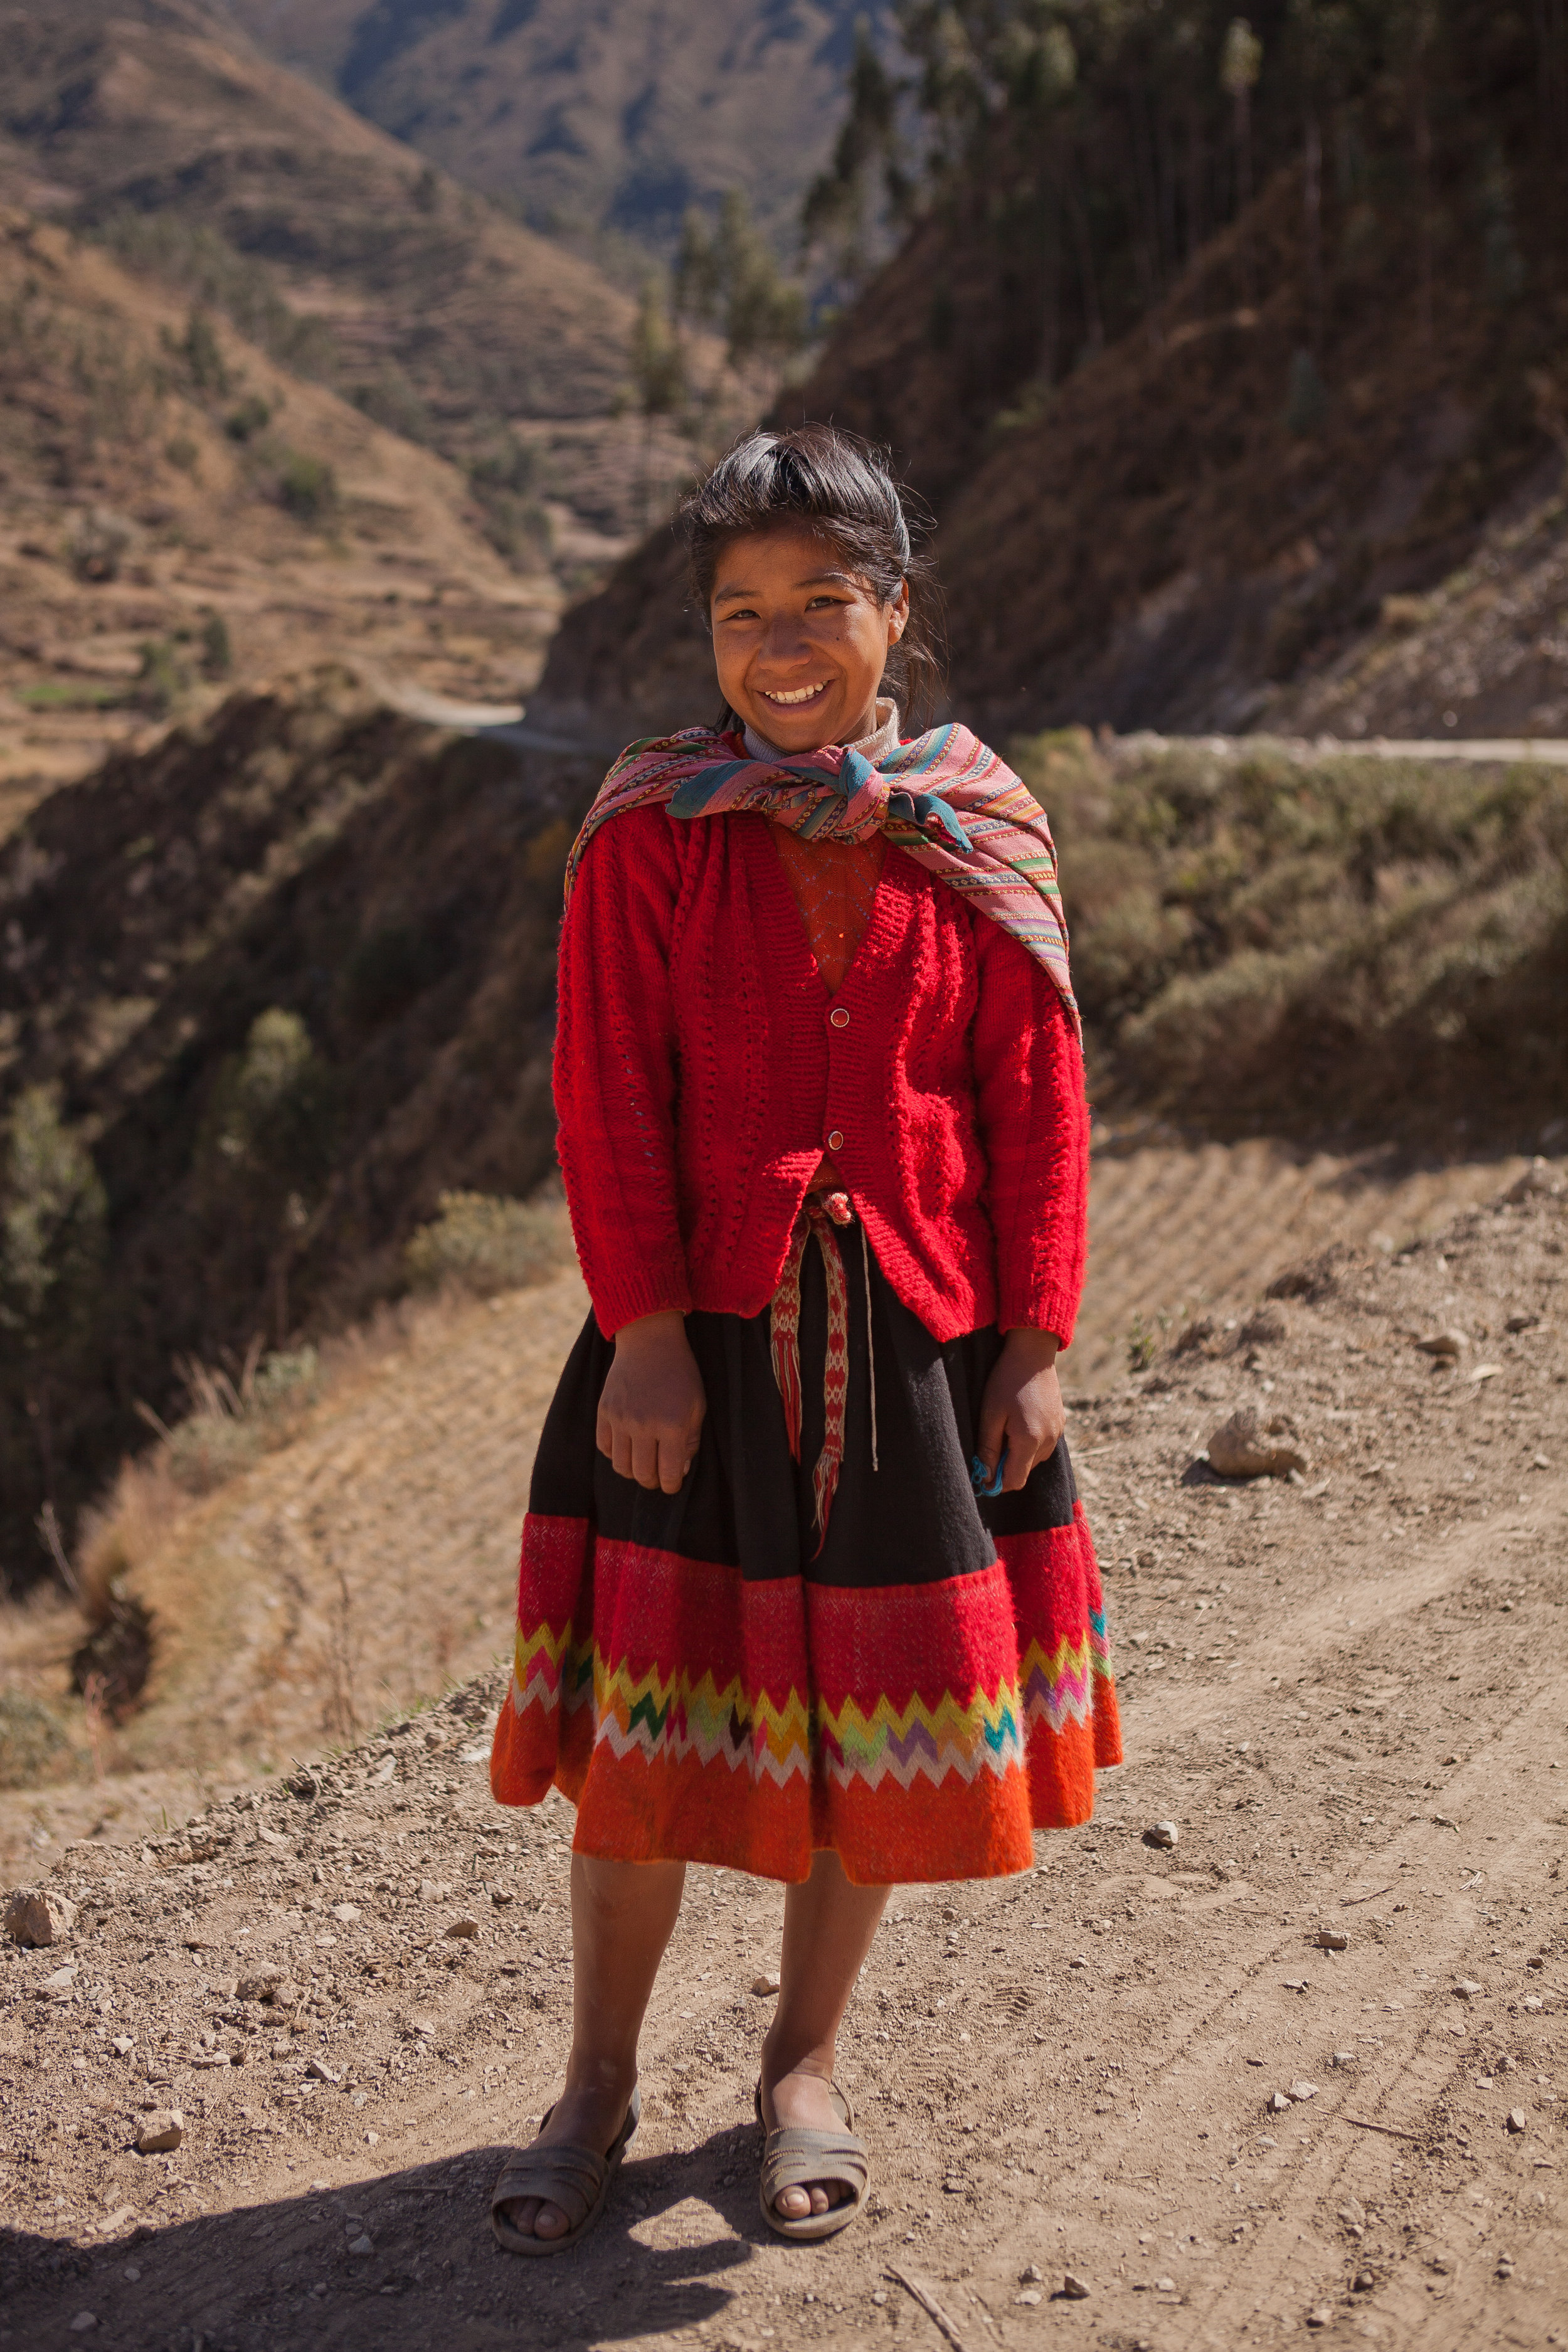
point(806, 1590)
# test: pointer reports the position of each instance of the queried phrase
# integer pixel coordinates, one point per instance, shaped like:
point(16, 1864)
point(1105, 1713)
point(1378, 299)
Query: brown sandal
point(567, 2174)
point(794, 2157)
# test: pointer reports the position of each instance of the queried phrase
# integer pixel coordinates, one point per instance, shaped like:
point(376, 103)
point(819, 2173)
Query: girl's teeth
point(801, 694)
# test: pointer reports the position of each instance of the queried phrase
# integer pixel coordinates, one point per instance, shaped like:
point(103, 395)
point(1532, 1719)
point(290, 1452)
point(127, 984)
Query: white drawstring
point(870, 1348)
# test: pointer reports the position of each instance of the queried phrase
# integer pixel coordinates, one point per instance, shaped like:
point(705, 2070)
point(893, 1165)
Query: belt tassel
point(822, 1214)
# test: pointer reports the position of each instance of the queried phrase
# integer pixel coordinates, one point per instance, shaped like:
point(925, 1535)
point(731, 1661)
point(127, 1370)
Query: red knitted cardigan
point(702, 1068)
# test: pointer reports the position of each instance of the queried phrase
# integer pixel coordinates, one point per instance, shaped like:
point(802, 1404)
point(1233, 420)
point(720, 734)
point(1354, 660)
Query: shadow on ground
point(284, 2273)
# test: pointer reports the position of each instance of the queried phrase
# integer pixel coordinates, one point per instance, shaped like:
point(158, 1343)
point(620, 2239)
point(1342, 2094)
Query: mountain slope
point(614, 114)
point(159, 123)
point(179, 513)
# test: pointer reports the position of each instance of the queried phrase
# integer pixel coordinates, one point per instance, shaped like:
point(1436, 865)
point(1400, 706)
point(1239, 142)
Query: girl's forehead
point(784, 556)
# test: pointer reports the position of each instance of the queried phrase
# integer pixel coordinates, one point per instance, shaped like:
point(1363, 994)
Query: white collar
point(874, 746)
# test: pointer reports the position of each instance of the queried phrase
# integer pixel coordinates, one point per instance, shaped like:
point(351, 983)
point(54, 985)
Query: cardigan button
point(839, 1017)
point(836, 1140)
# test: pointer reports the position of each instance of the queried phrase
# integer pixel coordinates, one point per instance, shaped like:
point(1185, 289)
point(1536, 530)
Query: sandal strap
point(793, 2159)
point(566, 2173)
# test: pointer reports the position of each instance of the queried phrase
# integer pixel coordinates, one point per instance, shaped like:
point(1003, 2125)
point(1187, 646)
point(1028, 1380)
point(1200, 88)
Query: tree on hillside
point(867, 188)
point(52, 1255)
point(658, 374)
point(265, 1154)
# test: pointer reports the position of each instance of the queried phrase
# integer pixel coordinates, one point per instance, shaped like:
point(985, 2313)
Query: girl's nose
point(784, 639)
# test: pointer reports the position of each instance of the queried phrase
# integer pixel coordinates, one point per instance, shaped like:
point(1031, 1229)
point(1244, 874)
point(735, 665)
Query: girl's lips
point(794, 699)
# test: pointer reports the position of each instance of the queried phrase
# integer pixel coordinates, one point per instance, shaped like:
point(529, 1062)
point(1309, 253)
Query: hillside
point(1305, 475)
point(1299, 2069)
point(180, 513)
point(160, 126)
point(590, 119)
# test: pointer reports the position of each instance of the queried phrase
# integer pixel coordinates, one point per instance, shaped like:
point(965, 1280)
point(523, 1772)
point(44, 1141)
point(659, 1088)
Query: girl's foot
point(592, 2117)
point(802, 2101)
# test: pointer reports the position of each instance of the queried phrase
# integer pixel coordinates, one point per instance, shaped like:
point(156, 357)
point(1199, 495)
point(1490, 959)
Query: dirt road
point(1134, 2064)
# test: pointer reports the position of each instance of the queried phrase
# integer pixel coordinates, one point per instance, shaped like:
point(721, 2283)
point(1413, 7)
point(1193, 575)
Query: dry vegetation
point(179, 513)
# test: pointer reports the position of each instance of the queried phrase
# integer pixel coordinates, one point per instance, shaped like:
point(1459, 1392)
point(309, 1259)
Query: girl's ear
point(898, 614)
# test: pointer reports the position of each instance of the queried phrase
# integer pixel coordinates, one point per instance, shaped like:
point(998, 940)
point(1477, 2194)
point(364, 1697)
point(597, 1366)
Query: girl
point(823, 1128)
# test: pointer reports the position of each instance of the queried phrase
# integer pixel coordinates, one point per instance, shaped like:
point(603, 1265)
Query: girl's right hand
point(652, 1404)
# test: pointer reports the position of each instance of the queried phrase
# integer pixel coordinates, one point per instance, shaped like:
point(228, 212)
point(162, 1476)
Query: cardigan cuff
point(651, 1291)
point(1039, 1311)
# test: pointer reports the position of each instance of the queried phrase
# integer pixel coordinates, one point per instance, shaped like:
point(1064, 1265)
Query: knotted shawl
point(944, 798)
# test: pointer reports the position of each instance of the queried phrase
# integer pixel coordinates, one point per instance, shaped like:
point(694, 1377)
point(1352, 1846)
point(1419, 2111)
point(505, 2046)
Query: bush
point(233, 1424)
point(98, 545)
point(252, 417)
point(218, 650)
point(307, 488)
point(483, 1245)
point(162, 678)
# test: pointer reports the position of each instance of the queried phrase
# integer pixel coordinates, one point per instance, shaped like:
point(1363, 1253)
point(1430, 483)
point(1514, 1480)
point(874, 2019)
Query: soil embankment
point(1155, 2069)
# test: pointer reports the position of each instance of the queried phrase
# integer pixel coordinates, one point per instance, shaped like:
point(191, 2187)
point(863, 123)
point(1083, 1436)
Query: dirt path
point(1349, 1694)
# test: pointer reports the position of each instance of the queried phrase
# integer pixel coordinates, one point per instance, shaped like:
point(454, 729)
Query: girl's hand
point(651, 1408)
point(1022, 1408)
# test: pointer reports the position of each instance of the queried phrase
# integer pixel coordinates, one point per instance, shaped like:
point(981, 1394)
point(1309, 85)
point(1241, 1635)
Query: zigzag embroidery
point(906, 1743)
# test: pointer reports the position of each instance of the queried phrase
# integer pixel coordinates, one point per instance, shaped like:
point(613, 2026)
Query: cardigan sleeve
point(615, 1071)
point(1034, 1124)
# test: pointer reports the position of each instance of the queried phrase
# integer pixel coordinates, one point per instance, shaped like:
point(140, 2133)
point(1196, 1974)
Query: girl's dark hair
point(837, 484)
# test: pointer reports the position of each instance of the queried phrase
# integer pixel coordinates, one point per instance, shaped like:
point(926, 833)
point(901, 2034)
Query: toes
point(550, 2221)
point(820, 2200)
point(795, 2204)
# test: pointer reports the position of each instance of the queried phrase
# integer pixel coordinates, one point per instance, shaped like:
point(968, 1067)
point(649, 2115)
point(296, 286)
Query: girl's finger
point(673, 1461)
point(645, 1458)
point(604, 1435)
point(989, 1436)
point(1020, 1456)
point(622, 1456)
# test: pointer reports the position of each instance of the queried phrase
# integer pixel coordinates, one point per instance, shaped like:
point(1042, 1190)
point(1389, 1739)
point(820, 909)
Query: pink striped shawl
point(944, 798)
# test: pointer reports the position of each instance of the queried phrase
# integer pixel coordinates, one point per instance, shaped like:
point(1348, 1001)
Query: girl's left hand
point(1022, 1408)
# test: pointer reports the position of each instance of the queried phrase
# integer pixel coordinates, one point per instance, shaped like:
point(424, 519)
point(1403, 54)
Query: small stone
point(1466, 1988)
point(1518, 2120)
point(261, 1982)
point(953, 2185)
point(371, 2138)
point(1363, 2282)
point(435, 1890)
point(1353, 2213)
point(1030, 2275)
point(1302, 2091)
point(1165, 2286)
point(1536, 1961)
point(316, 2071)
point(1532, 2001)
point(1343, 2058)
point(362, 2246)
point(347, 1911)
point(1162, 1835)
point(1297, 1984)
point(1446, 1347)
point(1245, 1446)
point(764, 1986)
point(1332, 1939)
point(501, 1896)
point(1505, 2267)
point(122, 2045)
point(1030, 2297)
point(1074, 2288)
point(1321, 2315)
point(1279, 2105)
point(83, 2321)
point(37, 1916)
point(465, 1928)
point(161, 2132)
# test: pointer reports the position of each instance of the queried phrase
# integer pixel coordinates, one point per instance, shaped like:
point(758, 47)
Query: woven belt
point(822, 1213)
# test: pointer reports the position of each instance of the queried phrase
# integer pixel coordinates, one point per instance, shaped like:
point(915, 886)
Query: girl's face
point(800, 643)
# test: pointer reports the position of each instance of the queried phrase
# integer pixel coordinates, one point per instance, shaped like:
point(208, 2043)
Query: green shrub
point(483, 1245)
point(307, 487)
point(162, 678)
point(252, 417)
point(217, 651)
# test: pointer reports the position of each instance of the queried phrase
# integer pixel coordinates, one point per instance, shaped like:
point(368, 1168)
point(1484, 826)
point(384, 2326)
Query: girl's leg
point(623, 1914)
point(828, 1927)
